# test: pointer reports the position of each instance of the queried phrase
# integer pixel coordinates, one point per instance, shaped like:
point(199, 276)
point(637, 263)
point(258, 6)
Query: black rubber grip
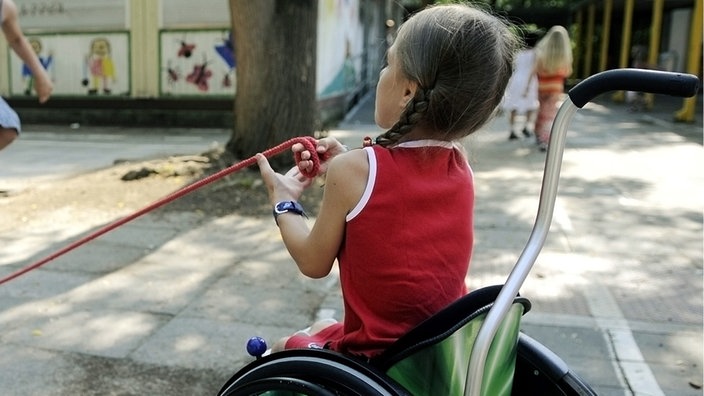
point(641, 80)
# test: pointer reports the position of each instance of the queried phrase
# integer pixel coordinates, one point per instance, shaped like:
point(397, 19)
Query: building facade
point(155, 57)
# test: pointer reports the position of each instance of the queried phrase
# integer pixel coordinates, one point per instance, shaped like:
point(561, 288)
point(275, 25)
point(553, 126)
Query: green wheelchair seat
point(433, 358)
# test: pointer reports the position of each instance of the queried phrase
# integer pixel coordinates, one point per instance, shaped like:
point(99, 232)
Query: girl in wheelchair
point(398, 215)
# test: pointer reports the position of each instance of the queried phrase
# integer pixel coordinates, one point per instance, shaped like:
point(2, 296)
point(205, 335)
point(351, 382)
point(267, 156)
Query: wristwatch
point(288, 206)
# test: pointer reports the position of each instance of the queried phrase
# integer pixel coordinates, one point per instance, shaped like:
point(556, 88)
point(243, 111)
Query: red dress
point(407, 246)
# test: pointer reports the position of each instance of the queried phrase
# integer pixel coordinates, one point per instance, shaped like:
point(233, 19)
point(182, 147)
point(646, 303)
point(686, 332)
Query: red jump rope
point(308, 142)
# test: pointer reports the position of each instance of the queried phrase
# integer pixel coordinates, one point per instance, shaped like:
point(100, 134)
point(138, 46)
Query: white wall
point(145, 37)
point(340, 46)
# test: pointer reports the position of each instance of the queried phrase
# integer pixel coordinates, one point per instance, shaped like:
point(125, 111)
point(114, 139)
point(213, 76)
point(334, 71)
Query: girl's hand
point(287, 187)
point(327, 148)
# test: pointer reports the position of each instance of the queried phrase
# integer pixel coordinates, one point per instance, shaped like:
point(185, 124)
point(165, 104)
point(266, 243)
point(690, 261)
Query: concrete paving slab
point(675, 360)
point(43, 284)
point(105, 333)
point(26, 371)
point(585, 352)
point(199, 343)
point(33, 371)
point(101, 258)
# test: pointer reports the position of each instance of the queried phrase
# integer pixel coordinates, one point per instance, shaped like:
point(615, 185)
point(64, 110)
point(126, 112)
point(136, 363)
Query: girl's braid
point(414, 112)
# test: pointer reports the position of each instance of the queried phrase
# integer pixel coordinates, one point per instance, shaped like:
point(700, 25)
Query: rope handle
point(308, 142)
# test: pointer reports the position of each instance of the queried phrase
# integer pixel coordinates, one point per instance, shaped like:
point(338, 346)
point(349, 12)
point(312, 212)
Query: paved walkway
point(165, 304)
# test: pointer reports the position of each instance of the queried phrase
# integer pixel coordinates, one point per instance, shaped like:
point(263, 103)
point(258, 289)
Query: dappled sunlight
point(678, 349)
point(595, 108)
point(556, 275)
point(98, 315)
point(272, 303)
point(478, 281)
point(12, 316)
point(628, 216)
point(627, 125)
point(107, 333)
point(222, 302)
point(37, 234)
point(167, 293)
point(105, 330)
point(190, 343)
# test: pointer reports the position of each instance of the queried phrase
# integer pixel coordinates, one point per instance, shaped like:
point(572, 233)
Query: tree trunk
point(275, 48)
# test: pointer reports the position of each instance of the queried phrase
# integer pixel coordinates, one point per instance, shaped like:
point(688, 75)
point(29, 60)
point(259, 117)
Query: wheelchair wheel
point(539, 371)
point(310, 372)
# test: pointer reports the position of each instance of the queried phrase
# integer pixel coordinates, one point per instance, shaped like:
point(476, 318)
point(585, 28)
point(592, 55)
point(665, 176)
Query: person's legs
point(529, 125)
point(9, 124)
point(321, 325)
point(304, 336)
point(545, 117)
point(511, 125)
point(280, 345)
point(7, 136)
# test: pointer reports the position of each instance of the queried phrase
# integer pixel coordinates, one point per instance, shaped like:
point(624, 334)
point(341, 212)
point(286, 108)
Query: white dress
point(517, 97)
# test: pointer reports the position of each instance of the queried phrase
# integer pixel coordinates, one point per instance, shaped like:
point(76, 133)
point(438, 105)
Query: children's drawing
point(197, 62)
point(99, 67)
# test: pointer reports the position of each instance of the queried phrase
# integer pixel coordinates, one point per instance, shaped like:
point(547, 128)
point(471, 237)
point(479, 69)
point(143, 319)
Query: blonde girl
point(553, 66)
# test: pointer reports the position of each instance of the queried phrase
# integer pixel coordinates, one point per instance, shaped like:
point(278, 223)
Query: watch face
point(283, 207)
point(286, 207)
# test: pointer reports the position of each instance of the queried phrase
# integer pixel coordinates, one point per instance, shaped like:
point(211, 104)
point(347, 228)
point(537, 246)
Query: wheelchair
point(474, 345)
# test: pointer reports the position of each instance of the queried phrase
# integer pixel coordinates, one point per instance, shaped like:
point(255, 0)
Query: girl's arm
point(314, 250)
point(19, 44)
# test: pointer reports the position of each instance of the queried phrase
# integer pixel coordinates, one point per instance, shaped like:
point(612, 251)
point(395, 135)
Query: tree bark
point(275, 48)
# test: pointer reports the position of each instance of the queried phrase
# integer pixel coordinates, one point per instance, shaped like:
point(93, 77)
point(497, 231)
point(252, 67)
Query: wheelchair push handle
point(674, 84)
point(642, 80)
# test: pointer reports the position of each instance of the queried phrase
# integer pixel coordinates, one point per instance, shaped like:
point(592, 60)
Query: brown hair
point(461, 57)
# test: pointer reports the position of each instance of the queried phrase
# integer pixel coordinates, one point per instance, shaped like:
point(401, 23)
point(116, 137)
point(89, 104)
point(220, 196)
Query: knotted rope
point(308, 143)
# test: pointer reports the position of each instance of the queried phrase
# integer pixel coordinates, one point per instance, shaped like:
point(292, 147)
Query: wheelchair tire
point(322, 370)
point(281, 385)
point(539, 371)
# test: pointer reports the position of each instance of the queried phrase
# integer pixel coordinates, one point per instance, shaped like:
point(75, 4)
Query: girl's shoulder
point(351, 162)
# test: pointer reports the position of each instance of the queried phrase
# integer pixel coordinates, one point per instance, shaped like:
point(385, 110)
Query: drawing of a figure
point(100, 66)
point(200, 76)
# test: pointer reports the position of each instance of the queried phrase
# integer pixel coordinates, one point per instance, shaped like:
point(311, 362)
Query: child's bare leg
point(511, 125)
point(316, 327)
point(529, 126)
point(279, 345)
point(321, 325)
